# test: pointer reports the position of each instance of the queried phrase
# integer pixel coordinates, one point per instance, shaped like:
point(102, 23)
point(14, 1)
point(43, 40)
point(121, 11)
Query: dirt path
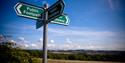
point(73, 61)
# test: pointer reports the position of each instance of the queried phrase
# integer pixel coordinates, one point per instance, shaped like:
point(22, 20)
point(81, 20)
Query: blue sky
point(94, 25)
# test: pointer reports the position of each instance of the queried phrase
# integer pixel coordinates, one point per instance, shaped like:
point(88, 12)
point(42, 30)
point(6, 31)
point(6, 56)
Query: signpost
point(45, 15)
point(45, 19)
point(29, 11)
point(50, 14)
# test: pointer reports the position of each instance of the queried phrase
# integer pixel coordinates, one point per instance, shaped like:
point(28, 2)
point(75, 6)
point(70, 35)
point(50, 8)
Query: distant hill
point(88, 55)
point(90, 52)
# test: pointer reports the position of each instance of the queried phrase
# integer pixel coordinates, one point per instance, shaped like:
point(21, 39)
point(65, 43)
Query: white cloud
point(23, 43)
point(12, 41)
point(26, 45)
point(40, 40)
point(51, 46)
point(68, 44)
point(68, 40)
point(21, 38)
point(33, 45)
point(1, 38)
point(52, 41)
point(65, 46)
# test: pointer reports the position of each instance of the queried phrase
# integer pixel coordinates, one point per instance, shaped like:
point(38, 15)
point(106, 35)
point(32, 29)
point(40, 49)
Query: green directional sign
point(55, 10)
point(39, 23)
point(27, 10)
point(63, 19)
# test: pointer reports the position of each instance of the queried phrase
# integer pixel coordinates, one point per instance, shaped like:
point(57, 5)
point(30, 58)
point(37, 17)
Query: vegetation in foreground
point(10, 53)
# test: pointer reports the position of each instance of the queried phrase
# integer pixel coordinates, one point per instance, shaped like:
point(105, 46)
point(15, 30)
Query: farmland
point(38, 60)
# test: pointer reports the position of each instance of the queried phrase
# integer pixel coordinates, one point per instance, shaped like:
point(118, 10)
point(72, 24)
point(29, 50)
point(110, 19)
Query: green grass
point(36, 60)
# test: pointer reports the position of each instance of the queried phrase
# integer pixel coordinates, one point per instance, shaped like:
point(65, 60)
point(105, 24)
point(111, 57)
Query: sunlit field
point(39, 60)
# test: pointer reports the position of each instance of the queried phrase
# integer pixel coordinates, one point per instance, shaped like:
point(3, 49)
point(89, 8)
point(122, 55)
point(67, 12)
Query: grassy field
point(38, 60)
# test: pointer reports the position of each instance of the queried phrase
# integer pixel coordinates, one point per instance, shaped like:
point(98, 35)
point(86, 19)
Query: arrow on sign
point(63, 19)
point(29, 11)
point(18, 8)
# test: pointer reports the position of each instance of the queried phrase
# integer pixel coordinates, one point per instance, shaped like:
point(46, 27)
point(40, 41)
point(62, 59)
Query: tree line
point(77, 56)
